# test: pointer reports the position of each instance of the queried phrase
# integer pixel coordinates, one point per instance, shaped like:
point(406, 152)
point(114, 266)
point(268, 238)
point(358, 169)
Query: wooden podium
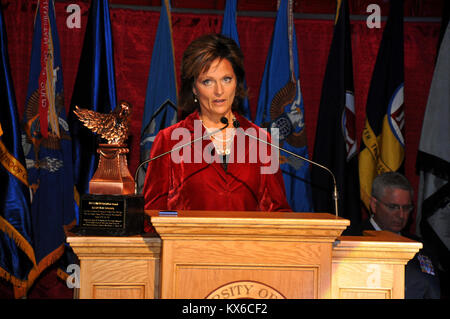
point(246, 254)
point(213, 254)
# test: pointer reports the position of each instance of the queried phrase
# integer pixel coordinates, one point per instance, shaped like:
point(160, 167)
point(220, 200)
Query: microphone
point(335, 194)
point(223, 120)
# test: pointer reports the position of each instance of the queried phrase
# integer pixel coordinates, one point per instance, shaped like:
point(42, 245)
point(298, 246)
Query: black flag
point(335, 142)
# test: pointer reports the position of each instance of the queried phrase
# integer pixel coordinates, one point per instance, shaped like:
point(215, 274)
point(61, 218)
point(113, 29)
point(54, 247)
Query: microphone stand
point(335, 194)
point(224, 120)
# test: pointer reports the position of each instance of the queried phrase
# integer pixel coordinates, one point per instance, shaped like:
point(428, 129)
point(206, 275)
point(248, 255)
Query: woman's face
point(215, 89)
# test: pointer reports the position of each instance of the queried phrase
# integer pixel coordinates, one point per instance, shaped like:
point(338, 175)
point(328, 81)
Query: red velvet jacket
point(193, 182)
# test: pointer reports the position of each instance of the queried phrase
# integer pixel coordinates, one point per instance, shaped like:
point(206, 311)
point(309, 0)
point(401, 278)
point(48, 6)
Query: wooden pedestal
point(371, 266)
point(118, 267)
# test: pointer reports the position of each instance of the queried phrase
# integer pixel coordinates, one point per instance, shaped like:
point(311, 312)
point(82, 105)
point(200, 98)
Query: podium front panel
point(200, 269)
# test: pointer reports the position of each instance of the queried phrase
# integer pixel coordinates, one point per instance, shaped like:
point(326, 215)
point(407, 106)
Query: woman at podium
point(211, 163)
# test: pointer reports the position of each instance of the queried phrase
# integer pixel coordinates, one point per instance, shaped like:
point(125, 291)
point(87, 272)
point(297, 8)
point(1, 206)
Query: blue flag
point(229, 29)
point(280, 105)
point(94, 89)
point(47, 143)
point(161, 100)
point(16, 250)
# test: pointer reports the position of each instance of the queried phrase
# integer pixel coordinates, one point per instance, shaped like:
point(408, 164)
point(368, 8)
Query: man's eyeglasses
point(396, 208)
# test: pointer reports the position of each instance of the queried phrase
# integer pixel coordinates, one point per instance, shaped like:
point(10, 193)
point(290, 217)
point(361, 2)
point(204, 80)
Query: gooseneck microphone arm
point(223, 119)
point(335, 195)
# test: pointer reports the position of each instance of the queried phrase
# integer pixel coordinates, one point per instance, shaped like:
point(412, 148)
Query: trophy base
point(112, 175)
point(110, 215)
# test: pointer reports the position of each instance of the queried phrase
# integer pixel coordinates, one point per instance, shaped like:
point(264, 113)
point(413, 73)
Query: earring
point(195, 99)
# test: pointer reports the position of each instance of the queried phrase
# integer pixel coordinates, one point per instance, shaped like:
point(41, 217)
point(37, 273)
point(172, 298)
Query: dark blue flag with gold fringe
point(335, 144)
point(383, 145)
point(280, 105)
point(47, 143)
point(94, 89)
point(229, 29)
point(16, 251)
point(160, 103)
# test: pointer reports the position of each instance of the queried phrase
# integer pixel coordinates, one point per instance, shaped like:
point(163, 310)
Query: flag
point(94, 89)
point(382, 145)
point(16, 250)
point(47, 143)
point(229, 29)
point(433, 158)
point(280, 105)
point(160, 103)
point(335, 144)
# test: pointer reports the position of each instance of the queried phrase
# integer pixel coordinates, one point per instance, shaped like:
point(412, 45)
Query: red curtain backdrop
point(134, 33)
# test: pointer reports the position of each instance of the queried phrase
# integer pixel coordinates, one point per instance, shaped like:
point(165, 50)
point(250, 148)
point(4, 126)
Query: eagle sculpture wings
point(112, 126)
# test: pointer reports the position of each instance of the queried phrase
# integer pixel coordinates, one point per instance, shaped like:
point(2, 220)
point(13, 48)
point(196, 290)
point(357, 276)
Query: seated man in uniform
point(391, 205)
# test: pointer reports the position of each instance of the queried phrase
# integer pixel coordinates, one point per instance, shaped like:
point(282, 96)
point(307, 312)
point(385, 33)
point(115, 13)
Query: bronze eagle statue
point(113, 126)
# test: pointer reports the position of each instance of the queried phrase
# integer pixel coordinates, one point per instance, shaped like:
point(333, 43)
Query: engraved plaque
point(111, 215)
point(103, 214)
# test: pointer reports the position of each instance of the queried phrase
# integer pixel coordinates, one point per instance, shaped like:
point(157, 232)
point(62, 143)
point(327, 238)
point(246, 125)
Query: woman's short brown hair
point(197, 58)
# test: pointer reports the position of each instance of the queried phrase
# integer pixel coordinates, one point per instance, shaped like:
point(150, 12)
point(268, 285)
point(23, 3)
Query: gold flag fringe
point(21, 287)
